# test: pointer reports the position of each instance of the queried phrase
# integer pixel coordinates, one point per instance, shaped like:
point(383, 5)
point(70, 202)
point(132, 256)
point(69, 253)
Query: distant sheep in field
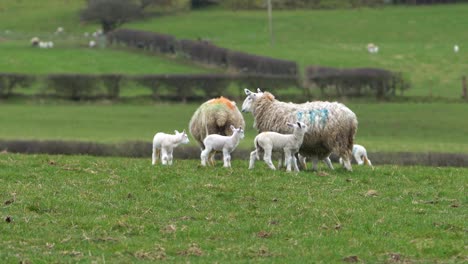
point(372, 48)
point(215, 116)
point(92, 44)
point(360, 156)
point(164, 144)
point(226, 144)
point(456, 48)
point(289, 144)
point(35, 41)
point(331, 125)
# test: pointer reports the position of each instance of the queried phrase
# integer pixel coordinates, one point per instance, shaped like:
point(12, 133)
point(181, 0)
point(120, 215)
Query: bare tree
point(110, 13)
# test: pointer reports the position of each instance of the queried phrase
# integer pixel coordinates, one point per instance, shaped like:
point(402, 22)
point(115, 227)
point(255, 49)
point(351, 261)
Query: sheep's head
point(298, 126)
point(183, 136)
point(247, 105)
point(239, 131)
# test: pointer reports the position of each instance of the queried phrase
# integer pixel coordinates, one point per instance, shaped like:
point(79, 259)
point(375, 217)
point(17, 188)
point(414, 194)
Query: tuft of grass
point(88, 209)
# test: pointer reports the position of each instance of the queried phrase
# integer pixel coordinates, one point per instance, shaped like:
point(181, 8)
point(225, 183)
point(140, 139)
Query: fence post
point(464, 88)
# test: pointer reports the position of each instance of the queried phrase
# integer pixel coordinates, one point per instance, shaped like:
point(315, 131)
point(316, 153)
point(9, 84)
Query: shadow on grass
point(140, 149)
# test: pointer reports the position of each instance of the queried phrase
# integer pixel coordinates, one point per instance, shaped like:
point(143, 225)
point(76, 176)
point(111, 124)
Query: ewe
point(164, 144)
point(226, 144)
point(331, 125)
point(289, 144)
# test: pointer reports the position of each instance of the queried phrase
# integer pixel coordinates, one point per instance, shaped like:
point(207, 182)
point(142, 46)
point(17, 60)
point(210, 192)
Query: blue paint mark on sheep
point(320, 115)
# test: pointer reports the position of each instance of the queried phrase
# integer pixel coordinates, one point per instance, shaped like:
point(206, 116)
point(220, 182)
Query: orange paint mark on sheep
point(222, 100)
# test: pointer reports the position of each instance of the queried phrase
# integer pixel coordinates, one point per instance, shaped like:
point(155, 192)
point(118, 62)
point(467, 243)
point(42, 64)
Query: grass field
point(87, 209)
point(394, 127)
point(410, 40)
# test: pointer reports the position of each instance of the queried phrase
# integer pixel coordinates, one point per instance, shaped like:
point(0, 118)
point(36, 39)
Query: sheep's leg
point(267, 158)
point(367, 161)
point(211, 158)
point(164, 156)
point(204, 155)
point(329, 163)
point(227, 158)
point(302, 161)
point(341, 161)
point(253, 157)
point(155, 156)
point(280, 161)
point(314, 163)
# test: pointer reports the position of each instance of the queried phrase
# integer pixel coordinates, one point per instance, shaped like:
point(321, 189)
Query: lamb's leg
point(253, 157)
point(204, 155)
point(169, 156)
point(164, 156)
point(329, 163)
point(287, 158)
point(155, 156)
point(358, 159)
point(267, 158)
point(227, 158)
point(280, 161)
point(294, 161)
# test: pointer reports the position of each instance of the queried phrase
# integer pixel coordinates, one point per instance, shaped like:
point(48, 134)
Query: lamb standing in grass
point(226, 144)
point(332, 125)
point(164, 144)
point(360, 155)
point(271, 141)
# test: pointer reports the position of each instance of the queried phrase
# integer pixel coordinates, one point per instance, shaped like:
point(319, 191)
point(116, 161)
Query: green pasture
point(417, 41)
point(390, 127)
point(119, 210)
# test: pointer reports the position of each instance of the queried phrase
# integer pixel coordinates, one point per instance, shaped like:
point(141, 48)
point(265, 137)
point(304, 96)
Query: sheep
point(35, 41)
point(372, 48)
point(289, 144)
point(164, 144)
point(59, 30)
point(215, 116)
point(360, 155)
point(332, 125)
point(456, 48)
point(226, 144)
point(92, 44)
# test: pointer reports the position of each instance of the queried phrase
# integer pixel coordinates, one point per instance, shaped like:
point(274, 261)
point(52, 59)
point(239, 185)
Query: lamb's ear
point(259, 91)
point(177, 132)
point(247, 92)
point(183, 132)
point(290, 124)
point(232, 127)
point(299, 124)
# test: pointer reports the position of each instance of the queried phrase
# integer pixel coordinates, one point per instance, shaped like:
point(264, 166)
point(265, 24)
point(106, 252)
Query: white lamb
point(164, 144)
point(226, 144)
point(273, 141)
point(360, 155)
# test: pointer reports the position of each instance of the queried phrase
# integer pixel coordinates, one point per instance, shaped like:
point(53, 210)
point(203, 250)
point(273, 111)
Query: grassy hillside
point(88, 209)
point(410, 39)
point(382, 127)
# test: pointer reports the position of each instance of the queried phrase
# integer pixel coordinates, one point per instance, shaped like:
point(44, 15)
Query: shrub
point(73, 86)
point(204, 52)
point(110, 13)
point(145, 40)
point(10, 81)
point(357, 82)
point(112, 84)
point(254, 64)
